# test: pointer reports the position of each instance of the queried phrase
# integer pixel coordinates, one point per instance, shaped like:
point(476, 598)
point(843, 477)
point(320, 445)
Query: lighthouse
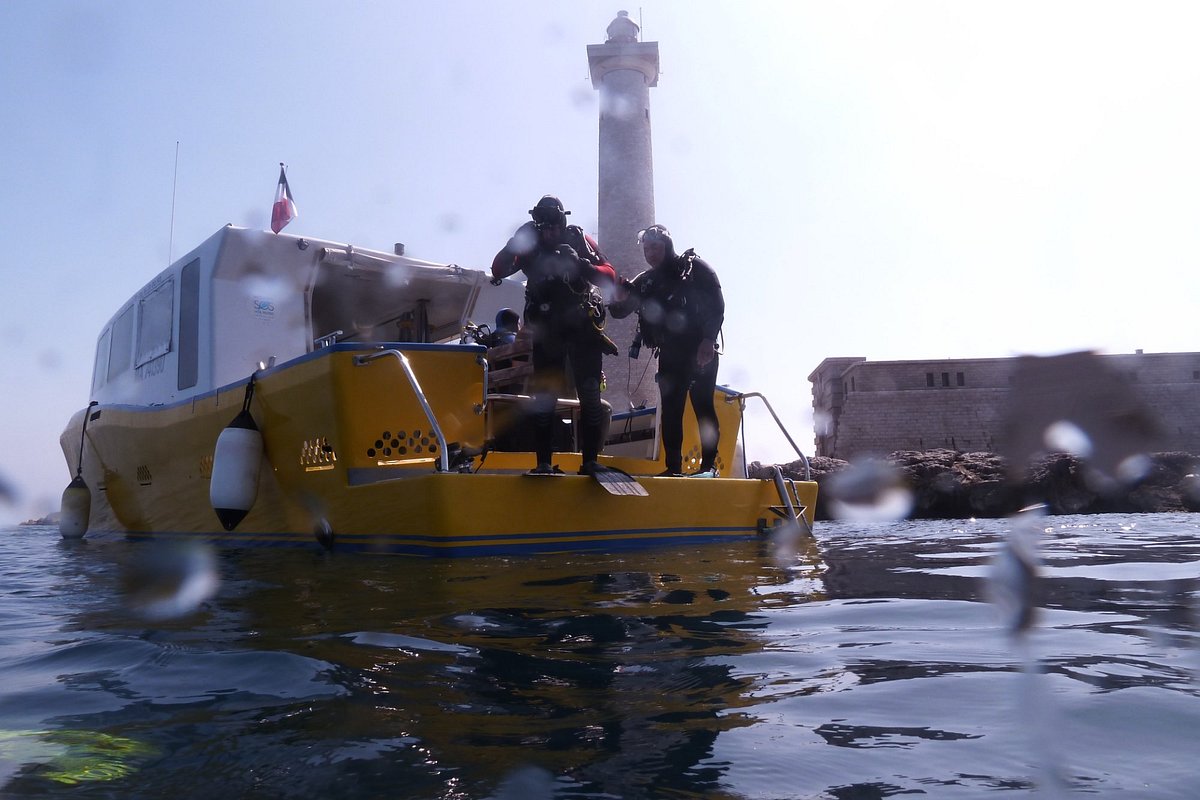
point(623, 70)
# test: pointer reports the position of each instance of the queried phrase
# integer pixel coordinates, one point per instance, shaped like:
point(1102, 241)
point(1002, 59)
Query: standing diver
point(564, 311)
point(680, 312)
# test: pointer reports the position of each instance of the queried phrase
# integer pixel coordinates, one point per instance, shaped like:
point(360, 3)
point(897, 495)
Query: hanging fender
point(76, 509)
point(236, 466)
point(75, 512)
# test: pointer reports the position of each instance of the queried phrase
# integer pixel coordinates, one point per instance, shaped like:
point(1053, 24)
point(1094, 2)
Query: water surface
point(873, 669)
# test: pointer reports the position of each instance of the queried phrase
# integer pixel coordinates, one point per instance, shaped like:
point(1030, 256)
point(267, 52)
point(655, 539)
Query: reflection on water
point(875, 670)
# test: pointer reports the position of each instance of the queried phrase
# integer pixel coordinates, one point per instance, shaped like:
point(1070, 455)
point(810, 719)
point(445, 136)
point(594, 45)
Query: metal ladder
point(789, 498)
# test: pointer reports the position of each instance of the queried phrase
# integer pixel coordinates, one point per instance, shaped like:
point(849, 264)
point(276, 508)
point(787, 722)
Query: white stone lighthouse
point(623, 69)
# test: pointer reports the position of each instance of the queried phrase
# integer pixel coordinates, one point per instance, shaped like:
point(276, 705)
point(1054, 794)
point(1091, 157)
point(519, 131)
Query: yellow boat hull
point(349, 454)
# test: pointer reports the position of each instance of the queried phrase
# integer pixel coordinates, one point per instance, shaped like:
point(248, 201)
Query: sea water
point(873, 666)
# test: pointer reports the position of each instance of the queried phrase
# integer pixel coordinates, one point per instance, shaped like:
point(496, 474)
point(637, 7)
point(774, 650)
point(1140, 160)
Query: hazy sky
point(888, 180)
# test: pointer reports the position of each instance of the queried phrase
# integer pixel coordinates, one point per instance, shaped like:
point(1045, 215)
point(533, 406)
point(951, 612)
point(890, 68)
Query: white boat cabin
point(245, 298)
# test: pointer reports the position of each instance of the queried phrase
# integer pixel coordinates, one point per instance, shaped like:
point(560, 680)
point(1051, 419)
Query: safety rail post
point(363, 360)
point(741, 399)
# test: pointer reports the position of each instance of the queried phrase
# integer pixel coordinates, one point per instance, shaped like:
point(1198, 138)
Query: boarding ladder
point(789, 496)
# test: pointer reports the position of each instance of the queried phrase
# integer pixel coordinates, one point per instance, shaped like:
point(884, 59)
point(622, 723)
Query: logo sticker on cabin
point(263, 308)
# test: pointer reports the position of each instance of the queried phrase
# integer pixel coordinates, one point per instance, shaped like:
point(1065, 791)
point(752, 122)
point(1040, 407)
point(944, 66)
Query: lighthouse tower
point(623, 69)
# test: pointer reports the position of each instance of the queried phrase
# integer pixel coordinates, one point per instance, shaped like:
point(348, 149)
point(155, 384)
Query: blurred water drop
point(526, 783)
point(1078, 404)
point(871, 491)
point(1065, 436)
point(1134, 468)
point(397, 277)
point(8, 492)
point(583, 98)
point(49, 359)
point(1012, 577)
point(1011, 586)
point(784, 542)
point(168, 581)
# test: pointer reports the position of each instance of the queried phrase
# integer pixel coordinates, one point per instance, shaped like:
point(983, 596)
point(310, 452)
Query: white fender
point(76, 509)
point(236, 465)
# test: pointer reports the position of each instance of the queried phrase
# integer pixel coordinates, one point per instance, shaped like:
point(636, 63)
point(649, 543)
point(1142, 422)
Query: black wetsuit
point(557, 293)
point(680, 304)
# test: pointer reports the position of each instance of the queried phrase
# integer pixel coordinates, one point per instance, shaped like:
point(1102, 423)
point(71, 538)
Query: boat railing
point(363, 360)
point(741, 398)
point(327, 340)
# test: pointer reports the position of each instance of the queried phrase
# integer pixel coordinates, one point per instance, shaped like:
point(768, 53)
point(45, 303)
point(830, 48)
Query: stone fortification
point(865, 408)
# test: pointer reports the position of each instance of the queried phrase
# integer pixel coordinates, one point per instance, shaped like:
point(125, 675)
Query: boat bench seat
point(510, 366)
point(510, 424)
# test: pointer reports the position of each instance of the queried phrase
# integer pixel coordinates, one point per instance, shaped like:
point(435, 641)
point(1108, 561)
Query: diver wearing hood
point(680, 310)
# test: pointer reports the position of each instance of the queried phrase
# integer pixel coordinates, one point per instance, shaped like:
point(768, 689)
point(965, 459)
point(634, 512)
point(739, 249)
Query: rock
point(50, 519)
point(947, 484)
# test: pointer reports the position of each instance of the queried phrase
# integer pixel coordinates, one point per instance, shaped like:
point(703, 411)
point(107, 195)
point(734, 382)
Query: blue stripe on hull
point(463, 546)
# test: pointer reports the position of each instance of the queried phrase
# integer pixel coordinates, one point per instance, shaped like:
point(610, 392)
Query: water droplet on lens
point(1012, 576)
point(167, 581)
point(1066, 437)
point(871, 491)
point(1133, 468)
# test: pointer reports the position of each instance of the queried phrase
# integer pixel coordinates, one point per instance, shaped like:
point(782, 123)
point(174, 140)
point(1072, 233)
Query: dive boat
point(269, 389)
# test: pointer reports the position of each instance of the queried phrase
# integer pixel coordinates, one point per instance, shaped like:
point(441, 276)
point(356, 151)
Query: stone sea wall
point(947, 484)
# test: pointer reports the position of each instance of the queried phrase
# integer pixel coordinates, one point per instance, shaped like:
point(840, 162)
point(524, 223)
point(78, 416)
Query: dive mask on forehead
point(549, 211)
point(548, 216)
point(655, 233)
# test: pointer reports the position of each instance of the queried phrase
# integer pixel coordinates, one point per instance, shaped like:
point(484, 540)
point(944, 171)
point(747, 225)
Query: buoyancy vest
point(679, 302)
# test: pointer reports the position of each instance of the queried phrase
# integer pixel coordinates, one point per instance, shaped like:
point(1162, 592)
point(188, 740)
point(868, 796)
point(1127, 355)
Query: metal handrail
point(359, 361)
point(741, 397)
point(795, 512)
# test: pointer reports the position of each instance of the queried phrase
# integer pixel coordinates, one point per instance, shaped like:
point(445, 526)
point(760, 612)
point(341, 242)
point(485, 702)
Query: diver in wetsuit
point(564, 313)
point(680, 310)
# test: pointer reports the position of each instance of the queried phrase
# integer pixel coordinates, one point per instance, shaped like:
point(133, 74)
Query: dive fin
point(616, 481)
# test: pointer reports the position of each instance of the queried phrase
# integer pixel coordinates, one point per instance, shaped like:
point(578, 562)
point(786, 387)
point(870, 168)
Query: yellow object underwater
point(72, 756)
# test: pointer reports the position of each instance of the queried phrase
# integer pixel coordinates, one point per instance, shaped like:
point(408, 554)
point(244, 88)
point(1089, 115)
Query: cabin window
point(122, 344)
point(100, 370)
point(189, 324)
point(154, 322)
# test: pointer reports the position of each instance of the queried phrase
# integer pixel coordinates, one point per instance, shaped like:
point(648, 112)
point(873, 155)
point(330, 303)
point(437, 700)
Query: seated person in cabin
point(564, 311)
point(508, 325)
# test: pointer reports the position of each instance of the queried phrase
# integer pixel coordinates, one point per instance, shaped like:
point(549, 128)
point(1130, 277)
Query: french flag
point(284, 210)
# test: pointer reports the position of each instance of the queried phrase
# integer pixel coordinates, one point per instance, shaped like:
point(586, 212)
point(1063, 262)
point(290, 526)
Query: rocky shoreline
point(947, 484)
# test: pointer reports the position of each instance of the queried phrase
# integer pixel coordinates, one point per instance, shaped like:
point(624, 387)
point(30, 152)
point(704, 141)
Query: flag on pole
point(284, 210)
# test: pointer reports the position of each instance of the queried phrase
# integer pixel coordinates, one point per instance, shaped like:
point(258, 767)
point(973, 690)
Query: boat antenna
point(174, 183)
point(88, 413)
